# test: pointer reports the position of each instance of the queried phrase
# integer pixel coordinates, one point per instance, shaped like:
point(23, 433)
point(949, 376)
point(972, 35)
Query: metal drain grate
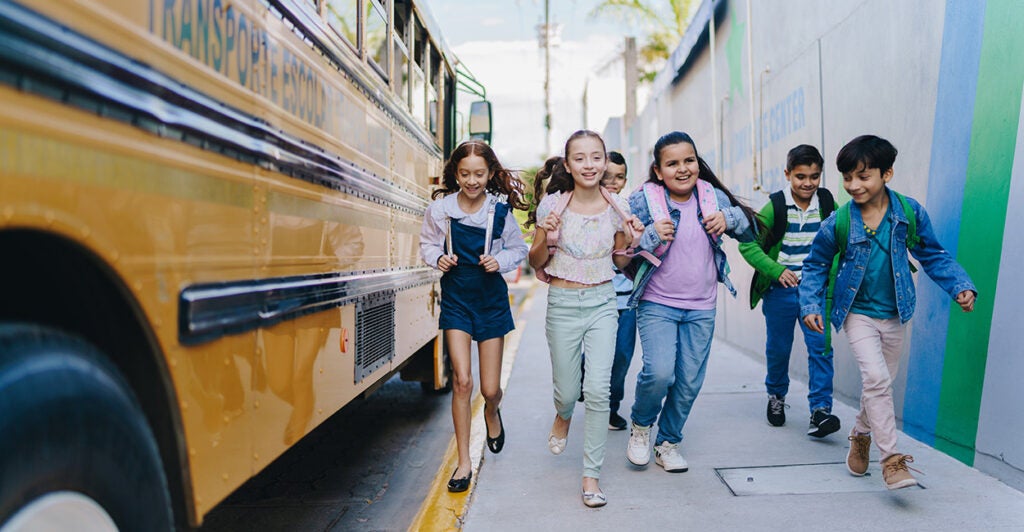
point(375, 332)
point(802, 479)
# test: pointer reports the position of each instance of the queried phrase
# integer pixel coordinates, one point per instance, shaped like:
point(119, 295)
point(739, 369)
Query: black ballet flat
point(496, 444)
point(458, 485)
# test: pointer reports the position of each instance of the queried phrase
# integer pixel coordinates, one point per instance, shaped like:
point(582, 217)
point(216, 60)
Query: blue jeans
point(676, 343)
point(625, 344)
point(781, 307)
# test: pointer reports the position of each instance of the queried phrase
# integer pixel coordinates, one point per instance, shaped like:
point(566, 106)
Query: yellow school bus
point(209, 220)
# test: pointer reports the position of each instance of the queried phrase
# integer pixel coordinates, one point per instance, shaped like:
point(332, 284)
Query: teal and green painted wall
point(943, 81)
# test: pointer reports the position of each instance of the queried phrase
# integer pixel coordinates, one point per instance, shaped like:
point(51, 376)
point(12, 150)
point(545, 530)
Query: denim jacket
point(940, 266)
point(737, 226)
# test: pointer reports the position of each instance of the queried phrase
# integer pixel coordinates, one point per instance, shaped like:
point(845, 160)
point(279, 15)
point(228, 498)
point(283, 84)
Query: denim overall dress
point(473, 300)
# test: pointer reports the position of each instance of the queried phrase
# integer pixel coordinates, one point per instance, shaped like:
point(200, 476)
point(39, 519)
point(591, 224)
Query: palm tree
point(664, 22)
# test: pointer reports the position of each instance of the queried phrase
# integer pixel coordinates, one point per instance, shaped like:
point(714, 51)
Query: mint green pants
point(583, 320)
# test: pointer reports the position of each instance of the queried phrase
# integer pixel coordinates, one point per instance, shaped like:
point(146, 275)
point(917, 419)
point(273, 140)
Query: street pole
point(631, 83)
point(547, 78)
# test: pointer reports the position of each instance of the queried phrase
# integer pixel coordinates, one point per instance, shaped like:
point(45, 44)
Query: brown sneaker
point(860, 452)
point(895, 472)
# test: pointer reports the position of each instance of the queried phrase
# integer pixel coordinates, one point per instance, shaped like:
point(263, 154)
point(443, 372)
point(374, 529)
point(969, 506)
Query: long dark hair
point(502, 180)
point(559, 179)
point(678, 137)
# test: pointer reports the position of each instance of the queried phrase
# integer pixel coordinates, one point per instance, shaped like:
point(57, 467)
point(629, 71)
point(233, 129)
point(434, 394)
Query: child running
point(471, 235)
point(874, 291)
point(581, 301)
point(793, 216)
point(686, 209)
point(625, 339)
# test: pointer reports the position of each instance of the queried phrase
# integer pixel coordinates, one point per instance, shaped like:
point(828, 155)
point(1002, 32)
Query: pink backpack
point(654, 194)
point(552, 236)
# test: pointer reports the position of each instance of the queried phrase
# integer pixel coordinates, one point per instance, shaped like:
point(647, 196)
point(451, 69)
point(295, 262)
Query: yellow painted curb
point(441, 509)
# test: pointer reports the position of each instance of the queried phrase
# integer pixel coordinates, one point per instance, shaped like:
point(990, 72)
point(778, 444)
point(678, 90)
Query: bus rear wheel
point(73, 437)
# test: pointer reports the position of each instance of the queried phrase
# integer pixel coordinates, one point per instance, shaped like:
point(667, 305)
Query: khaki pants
point(877, 346)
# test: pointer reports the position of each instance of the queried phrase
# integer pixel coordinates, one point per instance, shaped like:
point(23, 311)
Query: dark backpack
point(826, 204)
point(780, 220)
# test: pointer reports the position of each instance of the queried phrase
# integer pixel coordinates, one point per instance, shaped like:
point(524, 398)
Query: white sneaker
point(667, 456)
point(639, 449)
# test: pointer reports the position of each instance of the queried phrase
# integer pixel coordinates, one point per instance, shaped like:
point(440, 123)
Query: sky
point(497, 41)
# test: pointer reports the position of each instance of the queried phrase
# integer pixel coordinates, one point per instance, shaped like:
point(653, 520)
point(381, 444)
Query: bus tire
point(70, 423)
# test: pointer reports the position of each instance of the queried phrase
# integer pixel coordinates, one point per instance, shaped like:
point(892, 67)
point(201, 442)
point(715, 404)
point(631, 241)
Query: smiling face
point(678, 170)
point(586, 161)
point(614, 177)
point(866, 185)
point(804, 180)
point(472, 175)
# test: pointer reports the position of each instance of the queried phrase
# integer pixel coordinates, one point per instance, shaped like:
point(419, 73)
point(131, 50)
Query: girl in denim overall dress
point(471, 235)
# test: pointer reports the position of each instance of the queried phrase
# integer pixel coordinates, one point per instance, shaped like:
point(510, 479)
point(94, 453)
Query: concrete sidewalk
point(744, 474)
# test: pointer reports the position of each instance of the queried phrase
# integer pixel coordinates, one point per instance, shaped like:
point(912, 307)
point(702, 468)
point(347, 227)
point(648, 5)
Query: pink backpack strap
point(654, 195)
point(636, 235)
point(560, 205)
point(551, 237)
point(708, 200)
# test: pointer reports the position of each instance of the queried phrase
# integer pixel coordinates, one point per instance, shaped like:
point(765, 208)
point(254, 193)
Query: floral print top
point(585, 242)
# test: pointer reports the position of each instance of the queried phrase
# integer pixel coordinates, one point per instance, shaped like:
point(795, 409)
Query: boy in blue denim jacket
point(874, 292)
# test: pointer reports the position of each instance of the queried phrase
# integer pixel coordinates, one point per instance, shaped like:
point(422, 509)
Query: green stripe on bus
point(989, 167)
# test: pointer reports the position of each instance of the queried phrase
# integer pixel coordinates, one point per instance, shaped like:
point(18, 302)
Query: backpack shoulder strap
point(843, 227)
point(563, 202)
point(707, 199)
point(826, 202)
point(912, 239)
point(780, 219)
point(656, 205)
point(654, 195)
point(635, 235)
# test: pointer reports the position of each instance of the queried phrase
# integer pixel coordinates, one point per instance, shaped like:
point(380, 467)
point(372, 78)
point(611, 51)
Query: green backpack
point(842, 232)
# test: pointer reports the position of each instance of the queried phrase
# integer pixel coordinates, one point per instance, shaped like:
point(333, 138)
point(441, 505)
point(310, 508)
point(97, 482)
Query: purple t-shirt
point(687, 278)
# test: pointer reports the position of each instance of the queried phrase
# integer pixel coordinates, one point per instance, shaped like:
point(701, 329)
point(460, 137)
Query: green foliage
point(663, 23)
point(527, 177)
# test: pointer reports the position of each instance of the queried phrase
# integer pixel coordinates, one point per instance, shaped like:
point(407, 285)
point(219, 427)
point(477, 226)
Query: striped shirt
point(801, 227)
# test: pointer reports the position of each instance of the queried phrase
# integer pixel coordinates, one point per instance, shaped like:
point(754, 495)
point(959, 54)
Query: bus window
point(377, 36)
point(418, 95)
point(343, 18)
point(403, 49)
point(434, 90)
point(401, 72)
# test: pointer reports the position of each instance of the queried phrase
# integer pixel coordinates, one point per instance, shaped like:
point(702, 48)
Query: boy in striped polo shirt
point(793, 215)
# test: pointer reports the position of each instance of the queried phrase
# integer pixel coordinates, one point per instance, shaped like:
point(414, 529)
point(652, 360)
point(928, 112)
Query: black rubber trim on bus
point(41, 57)
point(210, 311)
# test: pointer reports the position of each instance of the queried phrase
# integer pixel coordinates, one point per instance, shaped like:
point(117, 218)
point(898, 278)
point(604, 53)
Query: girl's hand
point(788, 278)
point(966, 300)
point(715, 224)
point(814, 323)
point(630, 226)
point(666, 230)
point(447, 262)
point(551, 223)
point(489, 263)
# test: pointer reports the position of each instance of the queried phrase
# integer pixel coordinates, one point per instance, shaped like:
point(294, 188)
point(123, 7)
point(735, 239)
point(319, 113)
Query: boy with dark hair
point(871, 290)
point(793, 217)
point(625, 340)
